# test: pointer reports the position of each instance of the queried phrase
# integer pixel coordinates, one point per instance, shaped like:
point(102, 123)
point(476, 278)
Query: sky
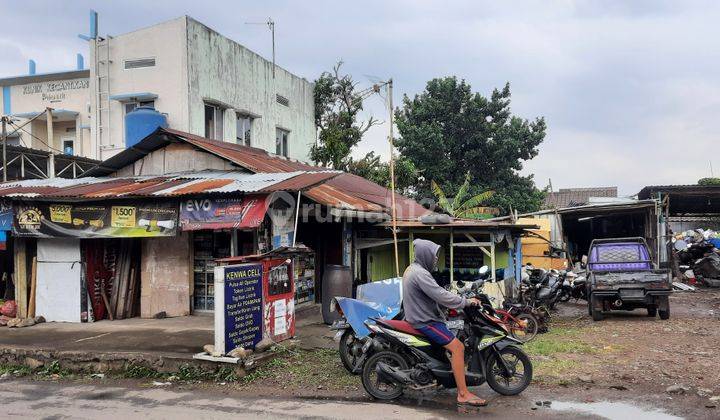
point(630, 90)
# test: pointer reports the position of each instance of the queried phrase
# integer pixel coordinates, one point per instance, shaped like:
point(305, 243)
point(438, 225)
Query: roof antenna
point(271, 25)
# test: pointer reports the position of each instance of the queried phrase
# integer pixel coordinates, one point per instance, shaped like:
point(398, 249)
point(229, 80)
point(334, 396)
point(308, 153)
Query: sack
point(9, 309)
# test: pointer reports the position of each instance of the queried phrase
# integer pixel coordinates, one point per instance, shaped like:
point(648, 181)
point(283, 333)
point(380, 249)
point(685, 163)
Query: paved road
point(30, 399)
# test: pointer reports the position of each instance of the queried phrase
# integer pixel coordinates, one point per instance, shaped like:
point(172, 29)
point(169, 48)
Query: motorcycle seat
point(399, 325)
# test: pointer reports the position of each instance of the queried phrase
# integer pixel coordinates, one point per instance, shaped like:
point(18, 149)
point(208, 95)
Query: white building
point(205, 83)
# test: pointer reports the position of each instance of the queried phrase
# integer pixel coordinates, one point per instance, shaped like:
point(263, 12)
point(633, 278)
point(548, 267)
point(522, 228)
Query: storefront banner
point(223, 213)
point(84, 220)
point(6, 217)
point(239, 309)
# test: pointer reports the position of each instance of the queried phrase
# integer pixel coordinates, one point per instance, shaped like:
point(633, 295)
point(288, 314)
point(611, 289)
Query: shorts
point(438, 333)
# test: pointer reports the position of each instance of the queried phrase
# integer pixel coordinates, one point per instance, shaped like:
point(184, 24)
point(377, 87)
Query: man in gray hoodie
point(422, 301)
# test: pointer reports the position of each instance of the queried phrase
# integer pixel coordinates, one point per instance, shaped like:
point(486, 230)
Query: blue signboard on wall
point(243, 306)
point(6, 217)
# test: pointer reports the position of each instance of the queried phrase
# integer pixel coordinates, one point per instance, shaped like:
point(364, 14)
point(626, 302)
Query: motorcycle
point(381, 299)
point(540, 287)
point(399, 357)
point(574, 287)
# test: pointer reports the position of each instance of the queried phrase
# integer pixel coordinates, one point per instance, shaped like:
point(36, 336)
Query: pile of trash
point(698, 254)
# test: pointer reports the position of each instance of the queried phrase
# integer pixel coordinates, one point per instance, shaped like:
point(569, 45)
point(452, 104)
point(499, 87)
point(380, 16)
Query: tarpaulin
point(95, 220)
point(223, 213)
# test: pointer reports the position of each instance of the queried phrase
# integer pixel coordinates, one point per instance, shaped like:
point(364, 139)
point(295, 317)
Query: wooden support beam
point(20, 278)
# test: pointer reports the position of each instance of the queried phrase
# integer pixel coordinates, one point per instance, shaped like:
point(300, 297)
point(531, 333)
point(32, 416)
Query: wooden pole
point(33, 288)
point(392, 178)
point(21, 296)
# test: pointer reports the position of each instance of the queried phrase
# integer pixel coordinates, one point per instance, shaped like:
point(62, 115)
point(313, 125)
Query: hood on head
point(425, 252)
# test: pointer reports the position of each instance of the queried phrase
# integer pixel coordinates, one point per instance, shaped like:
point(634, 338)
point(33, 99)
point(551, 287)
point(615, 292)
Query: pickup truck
point(622, 277)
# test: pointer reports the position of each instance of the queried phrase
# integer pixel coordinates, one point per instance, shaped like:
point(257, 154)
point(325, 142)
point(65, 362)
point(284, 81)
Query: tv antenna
point(271, 25)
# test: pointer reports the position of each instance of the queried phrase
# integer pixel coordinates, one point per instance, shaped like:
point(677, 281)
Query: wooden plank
point(20, 278)
point(33, 288)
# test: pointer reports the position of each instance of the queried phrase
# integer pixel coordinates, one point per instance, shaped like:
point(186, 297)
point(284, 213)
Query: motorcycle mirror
point(460, 284)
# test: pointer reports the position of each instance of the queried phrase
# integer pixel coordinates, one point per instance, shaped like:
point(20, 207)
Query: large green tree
point(448, 131)
point(337, 105)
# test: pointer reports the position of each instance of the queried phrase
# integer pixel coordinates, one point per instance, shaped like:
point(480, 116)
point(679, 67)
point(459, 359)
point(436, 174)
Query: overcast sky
point(630, 89)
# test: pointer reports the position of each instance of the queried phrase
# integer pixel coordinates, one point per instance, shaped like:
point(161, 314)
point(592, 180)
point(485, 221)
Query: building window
point(244, 129)
point(68, 147)
point(281, 141)
point(214, 122)
point(130, 106)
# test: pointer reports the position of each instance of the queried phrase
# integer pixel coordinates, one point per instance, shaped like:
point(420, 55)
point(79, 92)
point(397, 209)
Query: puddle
point(613, 410)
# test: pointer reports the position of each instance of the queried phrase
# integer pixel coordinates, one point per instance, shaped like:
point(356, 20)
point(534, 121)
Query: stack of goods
point(698, 254)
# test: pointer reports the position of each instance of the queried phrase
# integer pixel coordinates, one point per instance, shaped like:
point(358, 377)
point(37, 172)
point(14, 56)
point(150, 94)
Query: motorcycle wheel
point(529, 332)
point(346, 357)
point(565, 297)
point(520, 371)
point(377, 388)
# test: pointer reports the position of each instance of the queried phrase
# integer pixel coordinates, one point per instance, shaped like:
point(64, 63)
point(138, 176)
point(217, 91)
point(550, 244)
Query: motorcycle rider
point(422, 298)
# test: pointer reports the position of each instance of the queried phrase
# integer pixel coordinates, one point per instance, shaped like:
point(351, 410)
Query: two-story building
point(205, 83)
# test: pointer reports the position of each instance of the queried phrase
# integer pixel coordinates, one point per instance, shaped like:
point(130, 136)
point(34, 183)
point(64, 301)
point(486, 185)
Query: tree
point(462, 205)
point(372, 168)
point(448, 131)
point(709, 181)
point(337, 105)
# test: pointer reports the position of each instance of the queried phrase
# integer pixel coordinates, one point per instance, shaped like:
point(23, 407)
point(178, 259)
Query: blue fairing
point(379, 299)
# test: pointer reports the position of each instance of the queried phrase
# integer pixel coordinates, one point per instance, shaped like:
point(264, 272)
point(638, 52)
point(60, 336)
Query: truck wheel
point(663, 304)
point(652, 311)
point(597, 314)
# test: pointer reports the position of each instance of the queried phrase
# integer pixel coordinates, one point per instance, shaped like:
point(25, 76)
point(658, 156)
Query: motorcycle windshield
point(380, 299)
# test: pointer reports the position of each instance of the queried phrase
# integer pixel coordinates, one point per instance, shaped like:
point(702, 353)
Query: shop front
point(81, 262)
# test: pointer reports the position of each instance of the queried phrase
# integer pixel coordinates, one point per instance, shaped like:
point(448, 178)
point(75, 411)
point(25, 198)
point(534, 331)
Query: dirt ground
point(627, 358)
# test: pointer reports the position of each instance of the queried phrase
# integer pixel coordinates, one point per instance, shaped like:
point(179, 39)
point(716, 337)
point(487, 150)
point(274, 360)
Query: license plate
point(455, 324)
point(632, 293)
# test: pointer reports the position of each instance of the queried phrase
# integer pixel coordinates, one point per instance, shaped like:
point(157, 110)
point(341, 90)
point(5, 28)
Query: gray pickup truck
point(622, 277)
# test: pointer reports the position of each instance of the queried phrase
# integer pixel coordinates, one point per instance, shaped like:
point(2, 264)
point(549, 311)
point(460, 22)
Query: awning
point(223, 213)
point(134, 97)
point(59, 115)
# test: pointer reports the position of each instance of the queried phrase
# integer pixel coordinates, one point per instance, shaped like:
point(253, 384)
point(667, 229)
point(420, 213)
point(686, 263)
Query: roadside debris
point(677, 389)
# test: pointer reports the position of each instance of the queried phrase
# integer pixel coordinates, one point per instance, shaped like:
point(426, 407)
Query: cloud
point(629, 89)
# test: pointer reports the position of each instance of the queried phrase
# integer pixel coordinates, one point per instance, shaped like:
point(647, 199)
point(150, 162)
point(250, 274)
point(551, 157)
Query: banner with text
point(223, 213)
point(88, 220)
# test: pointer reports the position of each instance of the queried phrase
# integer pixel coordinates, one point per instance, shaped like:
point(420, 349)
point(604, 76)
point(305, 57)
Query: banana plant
point(459, 206)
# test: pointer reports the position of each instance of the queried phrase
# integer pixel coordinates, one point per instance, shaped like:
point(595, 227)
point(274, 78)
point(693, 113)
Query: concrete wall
point(224, 72)
point(165, 42)
point(166, 276)
point(58, 93)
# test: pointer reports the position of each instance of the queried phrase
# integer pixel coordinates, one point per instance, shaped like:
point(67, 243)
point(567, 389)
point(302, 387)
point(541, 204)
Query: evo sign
point(223, 213)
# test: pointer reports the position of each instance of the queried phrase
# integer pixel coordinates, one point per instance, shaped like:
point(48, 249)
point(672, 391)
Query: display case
point(304, 273)
point(207, 246)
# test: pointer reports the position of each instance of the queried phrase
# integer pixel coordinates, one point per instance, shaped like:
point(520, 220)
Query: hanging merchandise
point(87, 220)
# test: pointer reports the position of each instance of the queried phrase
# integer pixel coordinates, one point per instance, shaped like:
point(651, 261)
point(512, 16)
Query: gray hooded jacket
point(422, 296)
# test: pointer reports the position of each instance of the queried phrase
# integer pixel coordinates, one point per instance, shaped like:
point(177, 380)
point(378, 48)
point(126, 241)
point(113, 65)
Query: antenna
point(271, 25)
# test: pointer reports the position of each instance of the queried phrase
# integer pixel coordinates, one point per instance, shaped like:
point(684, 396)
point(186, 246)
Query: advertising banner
point(87, 220)
point(222, 213)
point(239, 312)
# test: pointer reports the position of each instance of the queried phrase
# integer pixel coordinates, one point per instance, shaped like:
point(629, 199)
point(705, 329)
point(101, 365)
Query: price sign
point(122, 217)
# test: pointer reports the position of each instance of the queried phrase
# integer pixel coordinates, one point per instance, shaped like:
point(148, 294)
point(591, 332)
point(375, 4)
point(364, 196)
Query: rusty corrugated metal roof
point(343, 190)
point(163, 186)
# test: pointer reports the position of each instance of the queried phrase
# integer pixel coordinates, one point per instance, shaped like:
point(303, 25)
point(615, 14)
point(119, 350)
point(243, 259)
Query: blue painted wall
point(7, 110)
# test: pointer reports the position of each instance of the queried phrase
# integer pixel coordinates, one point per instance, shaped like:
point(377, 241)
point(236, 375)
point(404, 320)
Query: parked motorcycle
point(540, 287)
point(573, 287)
point(379, 299)
point(399, 357)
